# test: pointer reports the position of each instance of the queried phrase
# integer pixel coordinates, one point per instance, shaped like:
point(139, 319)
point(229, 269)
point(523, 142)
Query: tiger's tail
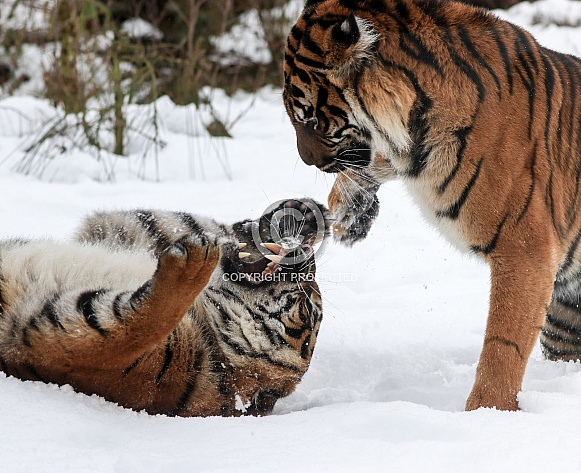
point(561, 331)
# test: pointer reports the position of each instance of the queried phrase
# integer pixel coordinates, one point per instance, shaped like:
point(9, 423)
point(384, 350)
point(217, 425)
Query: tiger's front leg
point(108, 329)
point(523, 268)
point(157, 307)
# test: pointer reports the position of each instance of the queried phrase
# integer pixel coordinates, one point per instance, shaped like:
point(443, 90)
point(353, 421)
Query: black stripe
point(525, 56)
point(570, 254)
point(462, 136)
point(85, 306)
point(471, 48)
point(557, 337)
point(453, 211)
point(305, 311)
point(322, 97)
point(224, 315)
point(574, 306)
point(128, 370)
point(491, 245)
point(149, 223)
point(2, 301)
point(223, 292)
point(224, 387)
point(417, 123)
point(26, 337)
point(571, 212)
point(499, 41)
point(524, 44)
point(296, 92)
point(34, 324)
point(191, 384)
point(549, 86)
point(306, 348)
point(140, 294)
point(166, 361)
point(190, 221)
point(550, 200)
point(310, 62)
point(550, 350)
point(239, 349)
point(280, 364)
point(531, 187)
point(295, 333)
point(260, 356)
point(419, 128)
point(303, 75)
point(569, 76)
point(464, 67)
point(337, 112)
point(565, 325)
point(312, 46)
point(50, 313)
point(504, 341)
point(413, 46)
point(296, 33)
point(529, 85)
point(118, 306)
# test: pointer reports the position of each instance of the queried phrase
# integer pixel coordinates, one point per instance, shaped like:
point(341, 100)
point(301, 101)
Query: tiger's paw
point(183, 270)
point(353, 220)
point(193, 257)
point(492, 398)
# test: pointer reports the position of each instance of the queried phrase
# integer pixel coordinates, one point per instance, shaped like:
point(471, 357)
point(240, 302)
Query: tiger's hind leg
point(561, 332)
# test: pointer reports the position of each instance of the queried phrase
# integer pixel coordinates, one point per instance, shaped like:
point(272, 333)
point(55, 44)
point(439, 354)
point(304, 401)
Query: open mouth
point(278, 257)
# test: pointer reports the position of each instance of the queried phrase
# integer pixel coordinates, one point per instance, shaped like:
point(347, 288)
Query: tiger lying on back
point(482, 124)
point(160, 311)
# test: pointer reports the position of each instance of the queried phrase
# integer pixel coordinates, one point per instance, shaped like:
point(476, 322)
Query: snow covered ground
point(402, 329)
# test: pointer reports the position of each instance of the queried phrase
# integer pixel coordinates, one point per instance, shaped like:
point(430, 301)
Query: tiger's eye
point(312, 123)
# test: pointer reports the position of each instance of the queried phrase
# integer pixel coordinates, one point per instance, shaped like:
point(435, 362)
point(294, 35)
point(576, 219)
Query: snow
point(396, 356)
point(139, 28)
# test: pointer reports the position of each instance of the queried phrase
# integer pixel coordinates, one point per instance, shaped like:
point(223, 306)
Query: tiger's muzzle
point(331, 158)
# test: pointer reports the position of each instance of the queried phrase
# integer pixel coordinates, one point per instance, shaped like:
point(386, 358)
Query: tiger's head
point(371, 82)
point(325, 48)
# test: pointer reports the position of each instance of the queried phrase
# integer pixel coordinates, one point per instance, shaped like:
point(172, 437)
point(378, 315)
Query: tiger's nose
point(309, 149)
point(307, 156)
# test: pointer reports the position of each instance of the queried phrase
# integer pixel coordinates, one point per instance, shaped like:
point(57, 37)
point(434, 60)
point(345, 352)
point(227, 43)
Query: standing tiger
point(482, 124)
point(161, 311)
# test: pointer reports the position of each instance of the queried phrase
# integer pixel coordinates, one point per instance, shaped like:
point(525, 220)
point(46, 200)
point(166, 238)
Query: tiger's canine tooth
point(274, 258)
point(275, 248)
point(241, 245)
point(243, 254)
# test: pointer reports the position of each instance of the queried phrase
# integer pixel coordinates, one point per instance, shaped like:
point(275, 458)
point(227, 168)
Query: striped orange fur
point(152, 310)
point(482, 124)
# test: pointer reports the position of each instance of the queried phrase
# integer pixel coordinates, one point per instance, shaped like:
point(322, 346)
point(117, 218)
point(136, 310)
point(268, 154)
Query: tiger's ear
point(352, 44)
point(347, 32)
